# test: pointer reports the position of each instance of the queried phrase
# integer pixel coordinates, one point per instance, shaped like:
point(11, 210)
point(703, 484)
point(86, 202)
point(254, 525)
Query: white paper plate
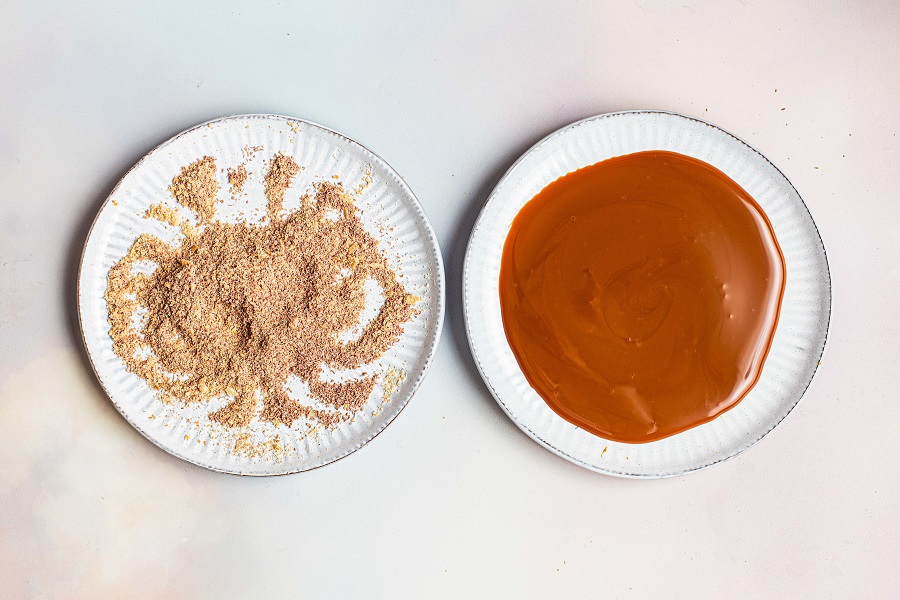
point(799, 338)
point(389, 211)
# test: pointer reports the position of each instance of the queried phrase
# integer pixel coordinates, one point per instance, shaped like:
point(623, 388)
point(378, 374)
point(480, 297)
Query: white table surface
point(451, 500)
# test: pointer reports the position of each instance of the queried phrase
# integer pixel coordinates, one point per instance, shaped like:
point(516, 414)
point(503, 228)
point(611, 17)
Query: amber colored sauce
point(640, 295)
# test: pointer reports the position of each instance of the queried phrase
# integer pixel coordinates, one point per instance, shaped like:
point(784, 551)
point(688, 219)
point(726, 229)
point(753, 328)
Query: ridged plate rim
point(473, 336)
point(427, 351)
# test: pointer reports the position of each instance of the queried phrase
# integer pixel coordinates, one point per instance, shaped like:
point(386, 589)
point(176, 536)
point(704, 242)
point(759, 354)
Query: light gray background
point(451, 500)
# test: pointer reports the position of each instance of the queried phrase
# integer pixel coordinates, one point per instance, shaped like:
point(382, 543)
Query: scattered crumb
point(391, 382)
point(170, 216)
point(365, 182)
point(250, 151)
point(237, 177)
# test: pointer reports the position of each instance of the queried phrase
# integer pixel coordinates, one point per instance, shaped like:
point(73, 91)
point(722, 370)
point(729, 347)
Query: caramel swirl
point(640, 295)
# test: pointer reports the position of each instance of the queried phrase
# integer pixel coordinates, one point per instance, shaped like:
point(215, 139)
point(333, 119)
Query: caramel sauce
point(640, 295)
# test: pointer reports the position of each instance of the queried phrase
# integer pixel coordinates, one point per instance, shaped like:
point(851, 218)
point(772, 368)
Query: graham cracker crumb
point(391, 382)
point(250, 151)
point(237, 177)
point(244, 445)
point(169, 215)
point(235, 309)
point(196, 188)
point(365, 182)
point(282, 170)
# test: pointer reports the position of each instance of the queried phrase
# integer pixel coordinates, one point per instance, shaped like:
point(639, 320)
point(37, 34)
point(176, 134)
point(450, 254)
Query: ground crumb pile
point(237, 177)
point(236, 309)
